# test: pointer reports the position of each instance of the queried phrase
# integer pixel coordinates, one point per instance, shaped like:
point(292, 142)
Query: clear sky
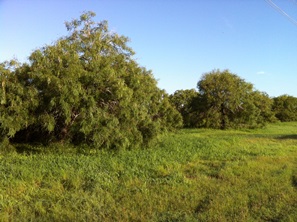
point(178, 40)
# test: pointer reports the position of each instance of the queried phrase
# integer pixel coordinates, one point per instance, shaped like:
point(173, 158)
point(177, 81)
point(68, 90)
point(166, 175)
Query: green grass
point(194, 175)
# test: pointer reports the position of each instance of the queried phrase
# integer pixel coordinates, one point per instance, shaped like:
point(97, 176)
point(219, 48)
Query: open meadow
point(192, 175)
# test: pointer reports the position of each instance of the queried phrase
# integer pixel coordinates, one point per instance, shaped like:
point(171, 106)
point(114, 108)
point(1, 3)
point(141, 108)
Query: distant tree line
point(86, 88)
point(224, 100)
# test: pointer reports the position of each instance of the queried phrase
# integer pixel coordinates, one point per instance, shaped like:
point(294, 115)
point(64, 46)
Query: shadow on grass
point(294, 180)
point(288, 137)
point(27, 149)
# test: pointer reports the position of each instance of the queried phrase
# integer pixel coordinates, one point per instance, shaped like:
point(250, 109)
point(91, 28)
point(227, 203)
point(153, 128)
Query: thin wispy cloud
point(261, 73)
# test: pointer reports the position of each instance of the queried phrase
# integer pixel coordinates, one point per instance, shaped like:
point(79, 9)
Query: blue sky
point(179, 40)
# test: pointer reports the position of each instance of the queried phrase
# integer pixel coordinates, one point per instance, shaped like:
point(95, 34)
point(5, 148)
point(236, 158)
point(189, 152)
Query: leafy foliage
point(285, 108)
point(86, 88)
point(18, 98)
point(227, 101)
point(184, 100)
point(263, 104)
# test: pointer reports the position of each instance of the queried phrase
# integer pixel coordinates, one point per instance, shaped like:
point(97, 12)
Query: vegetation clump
point(85, 88)
point(224, 100)
point(285, 108)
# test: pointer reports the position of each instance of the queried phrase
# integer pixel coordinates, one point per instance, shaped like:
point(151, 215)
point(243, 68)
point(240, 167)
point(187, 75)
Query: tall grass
point(194, 175)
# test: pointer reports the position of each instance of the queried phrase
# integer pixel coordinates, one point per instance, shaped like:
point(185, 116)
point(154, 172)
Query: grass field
point(193, 175)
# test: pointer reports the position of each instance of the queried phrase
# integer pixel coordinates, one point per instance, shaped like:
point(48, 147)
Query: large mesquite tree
point(88, 89)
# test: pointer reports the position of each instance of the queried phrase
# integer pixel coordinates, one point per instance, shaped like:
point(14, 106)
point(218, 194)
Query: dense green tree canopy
point(224, 94)
point(18, 98)
point(184, 101)
point(227, 101)
point(86, 87)
point(285, 108)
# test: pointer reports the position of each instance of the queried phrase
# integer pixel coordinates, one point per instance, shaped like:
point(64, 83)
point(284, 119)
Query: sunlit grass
point(194, 175)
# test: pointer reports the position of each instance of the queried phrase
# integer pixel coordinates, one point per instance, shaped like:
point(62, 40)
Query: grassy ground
point(194, 175)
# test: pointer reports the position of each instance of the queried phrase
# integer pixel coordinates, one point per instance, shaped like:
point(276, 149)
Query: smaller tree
point(257, 111)
point(285, 108)
point(263, 103)
point(183, 100)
